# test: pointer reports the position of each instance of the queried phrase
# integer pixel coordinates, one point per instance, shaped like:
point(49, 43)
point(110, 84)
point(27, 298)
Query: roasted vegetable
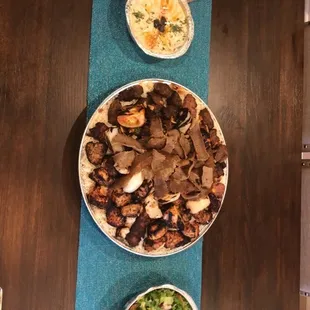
point(163, 89)
point(95, 152)
point(98, 132)
point(206, 118)
point(190, 103)
point(131, 93)
point(133, 119)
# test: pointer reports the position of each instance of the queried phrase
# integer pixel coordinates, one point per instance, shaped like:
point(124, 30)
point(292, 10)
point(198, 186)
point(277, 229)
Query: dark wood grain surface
point(251, 254)
point(44, 65)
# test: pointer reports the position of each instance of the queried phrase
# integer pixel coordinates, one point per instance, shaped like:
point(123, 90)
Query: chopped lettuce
point(162, 299)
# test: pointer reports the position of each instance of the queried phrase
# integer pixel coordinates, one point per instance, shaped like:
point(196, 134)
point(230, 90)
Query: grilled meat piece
point(101, 176)
point(122, 232)
point(191, 230)
point(214, 139)
point(221, 153)
point(185, 214)
point(153, 245)
point(95, 152)
point(115, 217)
point(215, 203)
point(106, 174)
point(114, 110)
point(195, 134)
point(218, 189)
point(157, 229)
point(131, 210)
point(206, 118)
point(163, 89)
point(142, 191)
point(120, 198)
point(170, 112)
point(157, 99)
point(175, 239)
point(219, 169)
point(203, 217)
point(190, 104)
point(131, 93)
point(173, 218)
point(99, 197)
point(174, 99)
point(138, 229)
point(98, 132)
point(129, 142)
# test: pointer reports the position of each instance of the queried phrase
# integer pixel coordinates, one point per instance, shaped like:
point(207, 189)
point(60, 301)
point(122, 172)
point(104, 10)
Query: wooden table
point(251, 255)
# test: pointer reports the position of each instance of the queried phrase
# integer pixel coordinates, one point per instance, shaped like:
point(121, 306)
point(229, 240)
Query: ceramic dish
point(186, 296)
point(154, 193)
point(161, 28)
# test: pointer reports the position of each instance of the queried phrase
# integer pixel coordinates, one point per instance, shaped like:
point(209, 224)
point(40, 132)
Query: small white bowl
point(187, 297)
point(187, 43)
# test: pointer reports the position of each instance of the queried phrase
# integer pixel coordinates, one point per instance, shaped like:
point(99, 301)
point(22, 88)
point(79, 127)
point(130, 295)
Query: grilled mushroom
point(131, 93)
point(163, 89)
point(95, 152)
point(114, 110)
point(174, 99)
point(157, 99)
point(98, 132)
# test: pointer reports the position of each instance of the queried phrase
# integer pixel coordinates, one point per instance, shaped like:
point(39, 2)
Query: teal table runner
point(109, 276)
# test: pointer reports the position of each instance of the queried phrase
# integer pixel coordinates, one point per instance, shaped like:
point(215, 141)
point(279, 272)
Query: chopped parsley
point(138, 15)
point(175, 28)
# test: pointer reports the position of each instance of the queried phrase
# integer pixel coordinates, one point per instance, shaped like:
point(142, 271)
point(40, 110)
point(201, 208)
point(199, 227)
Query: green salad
point(161, 299)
